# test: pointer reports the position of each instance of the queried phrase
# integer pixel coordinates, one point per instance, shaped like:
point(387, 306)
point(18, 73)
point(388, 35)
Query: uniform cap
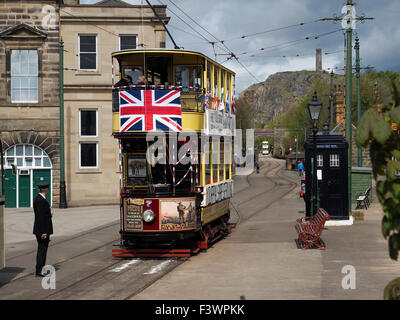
point(43, 185)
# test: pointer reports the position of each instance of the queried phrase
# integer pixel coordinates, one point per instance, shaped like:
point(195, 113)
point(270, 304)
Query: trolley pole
point(63, 196)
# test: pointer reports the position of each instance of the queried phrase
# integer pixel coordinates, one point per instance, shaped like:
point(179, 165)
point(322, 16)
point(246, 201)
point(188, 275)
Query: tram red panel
point(154, 205)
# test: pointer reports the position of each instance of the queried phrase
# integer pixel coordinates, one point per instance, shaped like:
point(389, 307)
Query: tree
point(384, 143)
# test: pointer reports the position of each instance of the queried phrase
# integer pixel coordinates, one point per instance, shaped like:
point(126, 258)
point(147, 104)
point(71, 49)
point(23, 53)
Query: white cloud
point(228, 19)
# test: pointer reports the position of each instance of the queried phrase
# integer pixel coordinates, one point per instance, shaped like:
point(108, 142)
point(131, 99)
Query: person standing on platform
point(301, 168)
point(43, 226)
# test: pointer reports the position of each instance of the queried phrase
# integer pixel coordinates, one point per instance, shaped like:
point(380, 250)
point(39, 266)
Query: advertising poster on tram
point(178, 214)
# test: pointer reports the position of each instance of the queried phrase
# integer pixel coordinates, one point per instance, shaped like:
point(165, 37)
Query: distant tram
point(174, 120)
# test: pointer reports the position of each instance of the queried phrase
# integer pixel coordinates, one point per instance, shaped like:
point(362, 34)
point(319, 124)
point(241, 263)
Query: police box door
point(332, 182)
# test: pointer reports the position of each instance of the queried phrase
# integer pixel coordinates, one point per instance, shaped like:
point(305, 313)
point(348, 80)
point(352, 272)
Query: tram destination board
point(133, 215)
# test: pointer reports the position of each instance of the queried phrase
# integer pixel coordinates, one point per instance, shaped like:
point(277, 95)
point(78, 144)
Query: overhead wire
point(231, 53)
point(287, 44)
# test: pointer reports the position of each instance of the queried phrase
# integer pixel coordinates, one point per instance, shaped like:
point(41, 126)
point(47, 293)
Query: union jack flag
point(150, 110)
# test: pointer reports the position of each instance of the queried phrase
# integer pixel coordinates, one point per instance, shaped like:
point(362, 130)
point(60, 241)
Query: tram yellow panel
point(214, 211)
point(190, 121)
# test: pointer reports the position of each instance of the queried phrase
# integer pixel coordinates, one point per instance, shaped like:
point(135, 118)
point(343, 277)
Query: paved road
point(259, 260)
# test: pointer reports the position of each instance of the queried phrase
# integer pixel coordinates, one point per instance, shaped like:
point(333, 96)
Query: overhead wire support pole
point(358, 76)
point(349, 23)
point(63, 196)
point(165, 27)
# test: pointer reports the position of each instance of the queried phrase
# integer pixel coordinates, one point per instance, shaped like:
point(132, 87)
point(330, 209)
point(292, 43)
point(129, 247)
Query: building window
point(88, 155)
point(87, 52)
point(320, 160)
point(127, 42)
point(24, 76)
point(88, 121)
point(26, 156)
point(334, 160)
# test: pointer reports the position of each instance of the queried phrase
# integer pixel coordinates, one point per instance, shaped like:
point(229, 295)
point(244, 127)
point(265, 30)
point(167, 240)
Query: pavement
point(259, 260)
point(67, 223)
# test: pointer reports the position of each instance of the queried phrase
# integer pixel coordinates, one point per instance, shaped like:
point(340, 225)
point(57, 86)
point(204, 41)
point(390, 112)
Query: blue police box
point(332, 173)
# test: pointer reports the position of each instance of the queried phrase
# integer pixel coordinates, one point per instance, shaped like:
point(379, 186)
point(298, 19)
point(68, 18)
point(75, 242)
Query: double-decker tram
point(175, 124)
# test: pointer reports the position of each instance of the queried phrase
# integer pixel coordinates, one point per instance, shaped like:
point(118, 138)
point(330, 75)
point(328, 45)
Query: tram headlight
point(149, 216)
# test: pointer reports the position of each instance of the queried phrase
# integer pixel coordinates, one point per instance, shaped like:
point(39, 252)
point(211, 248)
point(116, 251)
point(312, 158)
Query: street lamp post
point(314, 109)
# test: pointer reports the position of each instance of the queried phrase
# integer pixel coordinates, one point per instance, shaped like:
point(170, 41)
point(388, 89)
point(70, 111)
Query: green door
point(41, 176)
point(10, 187)
point(24, 190)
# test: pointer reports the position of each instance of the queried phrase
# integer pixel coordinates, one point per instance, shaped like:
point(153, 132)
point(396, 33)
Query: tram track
point(274, 184)
point(131, 281)
point(68, 239)
point(258, 194)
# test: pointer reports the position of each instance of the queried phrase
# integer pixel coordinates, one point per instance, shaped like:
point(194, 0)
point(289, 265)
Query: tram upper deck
point(200, 84)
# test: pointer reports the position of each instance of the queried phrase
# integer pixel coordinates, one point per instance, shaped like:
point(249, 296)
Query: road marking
point(125, 265)
point(158, 267)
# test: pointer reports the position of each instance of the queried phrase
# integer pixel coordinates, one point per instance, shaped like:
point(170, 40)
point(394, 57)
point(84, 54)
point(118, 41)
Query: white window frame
point(79, 52)
point(320, 160)
point(97, 123)
point(97, 154)
point(334, 160)
point(28, 75)
point(127, 35)
point(23, 157)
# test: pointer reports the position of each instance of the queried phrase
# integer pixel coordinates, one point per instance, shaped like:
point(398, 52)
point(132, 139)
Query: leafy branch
point(376, 131)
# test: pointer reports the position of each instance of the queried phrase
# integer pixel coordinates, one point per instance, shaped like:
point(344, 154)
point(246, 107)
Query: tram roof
point(169, 51)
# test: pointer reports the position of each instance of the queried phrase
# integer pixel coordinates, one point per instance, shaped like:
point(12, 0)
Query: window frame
point(26, 76)
point(334, 162)
point(127, 35)
point(80, 124)
point(96, 52)
point(80, 155)
point(320, 160)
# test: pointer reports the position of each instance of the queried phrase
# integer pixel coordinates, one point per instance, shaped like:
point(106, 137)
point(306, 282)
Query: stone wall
point(32, 25)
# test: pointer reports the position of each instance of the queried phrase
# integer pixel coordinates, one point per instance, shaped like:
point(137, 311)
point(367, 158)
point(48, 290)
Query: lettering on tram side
point(218, 123)
point(217, 192)
point(133, 214)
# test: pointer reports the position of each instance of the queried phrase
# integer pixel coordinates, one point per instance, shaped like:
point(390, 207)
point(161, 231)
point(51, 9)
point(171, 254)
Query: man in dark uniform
point(43, 226)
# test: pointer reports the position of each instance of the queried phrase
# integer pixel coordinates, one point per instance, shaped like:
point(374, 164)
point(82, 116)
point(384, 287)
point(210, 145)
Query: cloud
point(230, 19)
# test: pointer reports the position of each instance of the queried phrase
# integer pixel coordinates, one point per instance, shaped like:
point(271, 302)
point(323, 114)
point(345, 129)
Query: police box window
point(88, 123)
point(320, 160)
point(127, 42)
point(88, 154)
point(87, 52)
point(334, 160)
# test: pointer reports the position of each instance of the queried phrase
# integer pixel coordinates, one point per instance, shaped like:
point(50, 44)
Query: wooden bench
point(309, 229)
point(363, 199)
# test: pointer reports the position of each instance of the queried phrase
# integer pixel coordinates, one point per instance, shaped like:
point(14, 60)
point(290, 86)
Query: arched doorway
point(33, 165)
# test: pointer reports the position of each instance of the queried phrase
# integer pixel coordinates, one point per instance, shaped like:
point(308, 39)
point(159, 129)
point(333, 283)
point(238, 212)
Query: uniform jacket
point(43, 223)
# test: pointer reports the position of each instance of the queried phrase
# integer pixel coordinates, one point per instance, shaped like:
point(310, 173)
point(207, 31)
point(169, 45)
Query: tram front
point(175, 181)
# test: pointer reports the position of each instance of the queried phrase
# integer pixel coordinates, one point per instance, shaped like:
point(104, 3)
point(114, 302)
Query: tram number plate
point(133, 217)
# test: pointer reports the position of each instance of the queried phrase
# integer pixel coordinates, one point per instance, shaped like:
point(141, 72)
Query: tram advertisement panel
point(133, 214)
point(178, 214)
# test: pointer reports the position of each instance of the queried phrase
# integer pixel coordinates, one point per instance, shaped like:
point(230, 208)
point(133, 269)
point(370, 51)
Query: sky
point(285, 49)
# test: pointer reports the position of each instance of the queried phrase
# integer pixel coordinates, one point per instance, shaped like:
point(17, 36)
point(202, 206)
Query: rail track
point(123, 279)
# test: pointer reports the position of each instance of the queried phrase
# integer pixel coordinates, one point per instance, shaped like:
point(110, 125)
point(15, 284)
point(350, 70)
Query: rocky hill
point(281, 92)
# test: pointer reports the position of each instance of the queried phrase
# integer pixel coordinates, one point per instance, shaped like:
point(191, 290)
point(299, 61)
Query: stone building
point(90, 34)
point(29, 98)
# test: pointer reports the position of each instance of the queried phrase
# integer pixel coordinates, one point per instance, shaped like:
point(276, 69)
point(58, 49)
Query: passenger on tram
point(125, 81)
